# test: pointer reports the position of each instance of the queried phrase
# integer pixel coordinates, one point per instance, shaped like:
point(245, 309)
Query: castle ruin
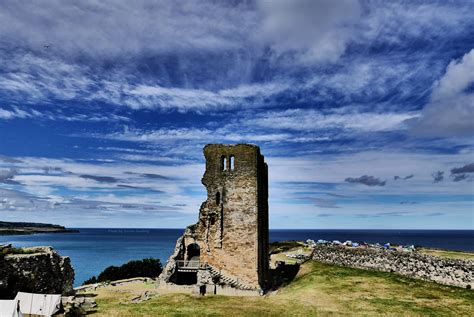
point(226, 251)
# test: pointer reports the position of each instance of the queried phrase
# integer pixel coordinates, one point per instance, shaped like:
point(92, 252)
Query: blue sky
point(364, 110)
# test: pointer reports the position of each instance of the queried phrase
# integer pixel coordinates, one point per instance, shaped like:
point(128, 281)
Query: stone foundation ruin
point(35, 270)
point(226, 251)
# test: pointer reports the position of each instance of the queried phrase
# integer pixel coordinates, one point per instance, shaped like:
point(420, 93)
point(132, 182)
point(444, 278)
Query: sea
point(92, 250)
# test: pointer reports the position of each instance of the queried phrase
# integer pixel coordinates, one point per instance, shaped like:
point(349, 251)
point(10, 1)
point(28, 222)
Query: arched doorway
point(186, 273)
point(193, 252)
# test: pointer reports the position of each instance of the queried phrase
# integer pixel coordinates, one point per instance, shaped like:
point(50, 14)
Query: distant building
point(226, 251)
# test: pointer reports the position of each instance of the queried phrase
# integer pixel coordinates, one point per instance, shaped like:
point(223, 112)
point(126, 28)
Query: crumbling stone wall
point(430, 268)
point(232, 229)
point(169, 270)
point(40, 270)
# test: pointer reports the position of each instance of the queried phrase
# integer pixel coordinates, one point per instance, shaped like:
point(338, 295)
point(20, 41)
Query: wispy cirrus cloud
point(15, 112)
point(118, 89)
point(313, 120)
point(181, 99)
point(288, 126)
point(107, 118)
point(196, 78)
point(92, 29)
point(197, 136)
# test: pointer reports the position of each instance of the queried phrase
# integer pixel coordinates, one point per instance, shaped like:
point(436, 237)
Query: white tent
point(10, 308)
point(38, 304)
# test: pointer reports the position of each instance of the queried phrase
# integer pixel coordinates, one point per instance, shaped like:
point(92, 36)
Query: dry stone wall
point(420, 266)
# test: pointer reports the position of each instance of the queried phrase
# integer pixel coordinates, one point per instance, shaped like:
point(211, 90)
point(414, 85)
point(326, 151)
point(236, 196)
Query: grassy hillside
point(318, 289)
point(448, 254)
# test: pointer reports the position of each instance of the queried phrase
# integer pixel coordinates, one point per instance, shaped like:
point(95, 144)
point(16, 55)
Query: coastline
point(29, 231)
point(27, 228)
point(94, 249)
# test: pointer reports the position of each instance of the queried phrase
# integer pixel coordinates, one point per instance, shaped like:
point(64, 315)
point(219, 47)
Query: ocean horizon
point(93, 249)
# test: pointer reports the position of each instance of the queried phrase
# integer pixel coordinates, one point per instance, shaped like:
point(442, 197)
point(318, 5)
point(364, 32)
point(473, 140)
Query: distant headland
point(21, 228)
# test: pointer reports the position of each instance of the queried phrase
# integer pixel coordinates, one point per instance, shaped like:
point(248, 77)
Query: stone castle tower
point(228, 246)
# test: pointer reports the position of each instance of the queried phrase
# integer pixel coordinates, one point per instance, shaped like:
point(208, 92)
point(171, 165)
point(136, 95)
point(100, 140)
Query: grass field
point(279, 251)
point(448, 254)
point(318, 289)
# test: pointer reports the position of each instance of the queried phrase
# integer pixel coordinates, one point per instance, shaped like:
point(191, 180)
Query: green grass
point(318, 289)
point(283, 246)
point(448, 254)
point(278, 251)
point(7, 251)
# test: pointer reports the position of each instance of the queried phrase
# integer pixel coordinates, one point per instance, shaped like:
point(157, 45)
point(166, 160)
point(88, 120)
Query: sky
point(364, 110)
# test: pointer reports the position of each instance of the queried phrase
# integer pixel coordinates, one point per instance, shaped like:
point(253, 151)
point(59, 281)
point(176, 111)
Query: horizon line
point(181, 228)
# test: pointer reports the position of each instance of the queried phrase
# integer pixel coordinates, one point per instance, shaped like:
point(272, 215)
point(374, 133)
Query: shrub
point(138, 268)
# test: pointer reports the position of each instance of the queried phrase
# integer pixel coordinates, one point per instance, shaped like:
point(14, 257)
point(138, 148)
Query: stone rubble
point(141, 298)
point(78, 305)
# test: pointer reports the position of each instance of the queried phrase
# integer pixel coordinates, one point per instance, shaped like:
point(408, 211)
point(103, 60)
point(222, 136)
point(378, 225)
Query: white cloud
point(459, 75)
point(313, 120)
point(182, 99)
point(14, 200)
point(38, 78)
point(25, 113)
point(117, 88)
point(288, 176)
point(368, 79)
point(314, 30)
point(269, 129)
point(56, 186)
point(451, 109)
point(196, 136)
point(395, 22)
point(123, 28)
point(15, 112)
point(199, 56)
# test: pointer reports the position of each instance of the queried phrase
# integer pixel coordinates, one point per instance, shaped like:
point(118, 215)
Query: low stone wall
point(36, 270)
point(174, 288)
point(445, 271)
point(210, 290)
point(93, 287)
